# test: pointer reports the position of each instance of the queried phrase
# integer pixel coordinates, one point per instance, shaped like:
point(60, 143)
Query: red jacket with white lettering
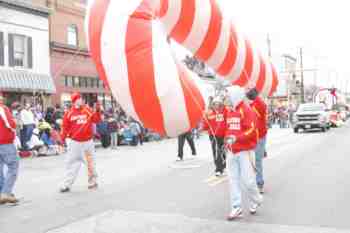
point(260, 109)
point(77, 123)
point(7, 130)
point(240, 122)
point(214, 122)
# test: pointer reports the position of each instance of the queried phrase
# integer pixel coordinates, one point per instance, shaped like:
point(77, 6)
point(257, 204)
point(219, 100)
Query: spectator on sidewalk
point(102, 130)
point(214, 123)
point(113, 129)
point(259, 107)
point(49, 116)
point(27, 119)
point(240, 142)
point(188, 136)
point(135, 131)
point(8, 155)
point(57, 117)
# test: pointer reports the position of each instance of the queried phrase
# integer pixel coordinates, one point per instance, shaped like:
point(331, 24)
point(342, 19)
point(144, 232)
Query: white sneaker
point(235, 213)
point(218, 174)
point(254, 207)
point(179, 159)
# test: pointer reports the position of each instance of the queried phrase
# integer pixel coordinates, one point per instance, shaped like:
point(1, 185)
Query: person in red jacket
point(260, 109)
point(214, 123)
point(77, 131)
point(8, 155)
point(240, 142)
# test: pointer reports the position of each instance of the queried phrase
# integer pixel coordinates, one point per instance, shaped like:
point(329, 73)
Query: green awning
point(24, 81)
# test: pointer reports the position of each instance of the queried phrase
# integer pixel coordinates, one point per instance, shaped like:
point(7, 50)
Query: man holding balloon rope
point(77, 131)
point(214, 123)
point(240, 143)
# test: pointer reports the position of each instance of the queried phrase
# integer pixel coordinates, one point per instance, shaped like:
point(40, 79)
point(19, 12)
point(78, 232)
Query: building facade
point(24, 53)
point(71, 65)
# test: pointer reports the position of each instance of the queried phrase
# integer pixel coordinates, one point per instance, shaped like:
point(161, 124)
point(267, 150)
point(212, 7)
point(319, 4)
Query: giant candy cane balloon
point(133, 57)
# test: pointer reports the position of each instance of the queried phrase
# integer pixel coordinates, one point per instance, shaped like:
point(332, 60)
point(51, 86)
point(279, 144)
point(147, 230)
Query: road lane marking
point(219, 181)
point(214, 180)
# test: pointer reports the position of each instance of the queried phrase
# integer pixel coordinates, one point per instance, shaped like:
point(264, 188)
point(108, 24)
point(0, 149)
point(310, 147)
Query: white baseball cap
point(236, 95)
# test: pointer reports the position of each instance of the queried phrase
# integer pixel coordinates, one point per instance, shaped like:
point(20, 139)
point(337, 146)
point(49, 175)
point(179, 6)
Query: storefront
point(26, 87)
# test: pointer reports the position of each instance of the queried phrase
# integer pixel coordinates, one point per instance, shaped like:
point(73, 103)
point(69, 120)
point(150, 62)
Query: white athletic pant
point(78, 154)
point(242, 176)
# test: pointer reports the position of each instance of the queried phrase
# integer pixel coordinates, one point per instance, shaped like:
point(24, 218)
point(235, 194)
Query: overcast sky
point(319, 26)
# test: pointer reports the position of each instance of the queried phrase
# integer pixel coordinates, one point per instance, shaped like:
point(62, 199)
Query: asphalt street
point(143, 189)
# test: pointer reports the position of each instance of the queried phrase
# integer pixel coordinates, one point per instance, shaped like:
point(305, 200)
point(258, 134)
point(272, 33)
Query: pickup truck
point(311, 116)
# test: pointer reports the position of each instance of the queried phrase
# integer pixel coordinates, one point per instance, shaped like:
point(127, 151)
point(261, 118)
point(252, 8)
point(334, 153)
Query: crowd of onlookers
point(38, 130)
point(281, 116)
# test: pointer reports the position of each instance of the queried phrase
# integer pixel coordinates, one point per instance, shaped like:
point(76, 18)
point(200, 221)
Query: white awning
point(23, 81)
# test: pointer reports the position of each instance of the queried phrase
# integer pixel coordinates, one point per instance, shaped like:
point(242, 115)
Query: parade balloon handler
point(214, 123)
point(78, 133)
point(240, 143)
point(8, 155)
point(188, 136)
point(260, 109)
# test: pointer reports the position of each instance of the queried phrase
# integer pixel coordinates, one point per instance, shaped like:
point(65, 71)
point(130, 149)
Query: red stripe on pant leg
point(141, 70)
point(262, 76)
point(213, 35)
point(195, 104)
point(231, 55)
point(184, 25)
point(274, 81)
point(97, 17)
point(248, 67)
point(164, 7)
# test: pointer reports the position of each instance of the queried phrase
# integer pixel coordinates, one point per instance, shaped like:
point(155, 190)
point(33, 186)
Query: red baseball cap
point(75, 96)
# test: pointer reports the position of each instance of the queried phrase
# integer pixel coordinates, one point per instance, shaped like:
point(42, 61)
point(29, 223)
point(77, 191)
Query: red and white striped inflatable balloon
point(128, 42)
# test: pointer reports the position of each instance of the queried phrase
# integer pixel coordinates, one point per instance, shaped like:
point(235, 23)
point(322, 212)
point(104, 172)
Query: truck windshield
point(312, 108)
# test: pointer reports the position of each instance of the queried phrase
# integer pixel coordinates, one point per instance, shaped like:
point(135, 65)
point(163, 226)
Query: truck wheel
point(324, 130)
point(296, 130)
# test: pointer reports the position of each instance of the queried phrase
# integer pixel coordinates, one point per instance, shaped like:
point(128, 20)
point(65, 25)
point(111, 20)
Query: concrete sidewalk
point(139, 222)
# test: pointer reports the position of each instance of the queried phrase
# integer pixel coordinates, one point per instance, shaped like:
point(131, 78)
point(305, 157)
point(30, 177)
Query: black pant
point(181, 139)
point(219, 155)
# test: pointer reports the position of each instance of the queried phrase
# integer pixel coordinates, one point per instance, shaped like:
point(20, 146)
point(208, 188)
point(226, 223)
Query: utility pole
point(302, 76)
point(269, 46)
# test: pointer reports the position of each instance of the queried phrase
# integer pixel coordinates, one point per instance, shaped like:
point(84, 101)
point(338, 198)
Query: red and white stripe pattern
point(129, 48)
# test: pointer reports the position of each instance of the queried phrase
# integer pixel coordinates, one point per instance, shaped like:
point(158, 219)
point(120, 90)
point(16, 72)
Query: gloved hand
point(230, 140)
point(68, 141)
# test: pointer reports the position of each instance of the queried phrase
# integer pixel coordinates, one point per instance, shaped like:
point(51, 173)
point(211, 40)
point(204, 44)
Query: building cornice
point(25, 7)
point(68, 49)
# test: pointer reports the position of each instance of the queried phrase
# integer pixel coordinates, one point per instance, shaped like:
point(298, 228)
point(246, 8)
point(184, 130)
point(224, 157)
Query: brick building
point(71, 65)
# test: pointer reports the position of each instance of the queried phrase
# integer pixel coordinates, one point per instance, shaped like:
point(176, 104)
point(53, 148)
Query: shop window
point(82, 82)
point(69, 81)
point(72, 35)
point(76, 81)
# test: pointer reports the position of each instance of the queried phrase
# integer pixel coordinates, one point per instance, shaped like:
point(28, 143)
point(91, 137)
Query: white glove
point(68, 141)
point(231, 140)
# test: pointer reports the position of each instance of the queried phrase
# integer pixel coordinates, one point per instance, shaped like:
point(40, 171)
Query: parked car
point(311, 116)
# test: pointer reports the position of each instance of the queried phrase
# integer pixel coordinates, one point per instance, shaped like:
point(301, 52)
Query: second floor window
point(72, 35)
point(20, 51)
